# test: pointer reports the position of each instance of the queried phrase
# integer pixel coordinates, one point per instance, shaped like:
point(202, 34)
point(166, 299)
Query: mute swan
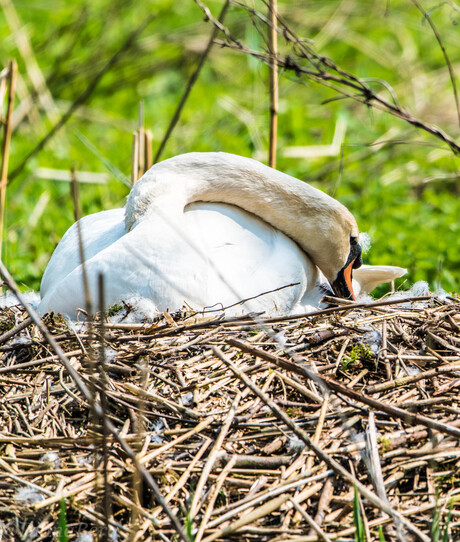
point(202, 229)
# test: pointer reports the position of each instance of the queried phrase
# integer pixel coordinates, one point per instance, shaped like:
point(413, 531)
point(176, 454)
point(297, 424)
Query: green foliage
point(359, 353)
point(114, 309)
point(436, 524)
point(445, 536)
point(402, 184)
point(360, 534)
point(385, 443)
point(189, 527)
point(63, 535)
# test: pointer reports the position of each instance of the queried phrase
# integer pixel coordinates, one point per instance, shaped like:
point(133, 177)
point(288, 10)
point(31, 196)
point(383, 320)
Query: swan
point(205, 230)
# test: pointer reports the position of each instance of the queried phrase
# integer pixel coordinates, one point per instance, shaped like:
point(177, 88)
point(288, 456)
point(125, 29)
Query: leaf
point(63, 534)
point(107, 163)
point(360, 535)
point(445, 536)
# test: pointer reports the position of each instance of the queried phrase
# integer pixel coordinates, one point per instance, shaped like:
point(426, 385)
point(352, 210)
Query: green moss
point(7, 321)
point(114, 309)
point(385, 443)
point(359, 353)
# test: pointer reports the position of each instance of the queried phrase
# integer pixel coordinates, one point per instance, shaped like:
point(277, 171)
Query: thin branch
point(326, 72)
point(107, 498)
point(273, 47)
point(7, 126)
point(190, 83)
point(77, 215)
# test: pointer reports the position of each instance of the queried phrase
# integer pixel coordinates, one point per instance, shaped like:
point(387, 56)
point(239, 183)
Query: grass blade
point(359, 534)
point(107, 163)
point(63, 534)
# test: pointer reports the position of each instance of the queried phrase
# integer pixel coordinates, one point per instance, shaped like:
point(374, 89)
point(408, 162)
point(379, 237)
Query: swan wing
point(213, 254)
point(98, 231)
point(247, 259)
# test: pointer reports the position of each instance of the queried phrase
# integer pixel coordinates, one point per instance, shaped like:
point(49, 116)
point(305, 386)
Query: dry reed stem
point(311, 521)
point(7, 128)
point(95, 406)
point(212, 499)
point(135, 159)
point(194, 507)
point(330, 384)
point(331, 463)
point(273, 48)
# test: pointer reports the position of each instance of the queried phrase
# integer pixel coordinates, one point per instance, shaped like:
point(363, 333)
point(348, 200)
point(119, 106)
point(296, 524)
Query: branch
point(194, 76)
point(444, 52)
point(326, 72)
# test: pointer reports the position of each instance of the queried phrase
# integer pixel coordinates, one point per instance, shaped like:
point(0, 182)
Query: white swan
point(206, 229)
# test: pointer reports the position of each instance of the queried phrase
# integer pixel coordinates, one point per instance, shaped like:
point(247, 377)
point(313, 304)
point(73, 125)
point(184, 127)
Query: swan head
point(336, 249)
point(342, 285)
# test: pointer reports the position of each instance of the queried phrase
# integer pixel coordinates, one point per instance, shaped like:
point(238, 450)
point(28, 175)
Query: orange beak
point(342, 285)
point(347, 277)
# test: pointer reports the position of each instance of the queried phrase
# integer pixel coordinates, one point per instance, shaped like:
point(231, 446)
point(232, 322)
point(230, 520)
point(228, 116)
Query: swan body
point(210, 229)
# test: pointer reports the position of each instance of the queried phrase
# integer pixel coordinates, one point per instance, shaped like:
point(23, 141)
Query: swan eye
point(353, 240)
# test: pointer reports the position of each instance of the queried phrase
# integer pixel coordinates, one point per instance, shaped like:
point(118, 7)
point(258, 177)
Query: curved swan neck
point(318, 223)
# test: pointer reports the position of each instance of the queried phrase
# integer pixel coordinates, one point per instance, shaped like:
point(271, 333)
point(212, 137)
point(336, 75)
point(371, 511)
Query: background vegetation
point(401, 183)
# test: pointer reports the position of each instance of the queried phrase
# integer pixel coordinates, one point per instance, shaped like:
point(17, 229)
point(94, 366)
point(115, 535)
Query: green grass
point(437, 533)
point(405, 193)
point(63, 534)
point(360, 533)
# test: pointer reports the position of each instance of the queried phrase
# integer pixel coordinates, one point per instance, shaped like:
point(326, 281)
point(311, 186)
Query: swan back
point(320, 225)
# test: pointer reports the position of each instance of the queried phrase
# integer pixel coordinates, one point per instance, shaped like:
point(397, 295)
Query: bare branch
point(326, 72)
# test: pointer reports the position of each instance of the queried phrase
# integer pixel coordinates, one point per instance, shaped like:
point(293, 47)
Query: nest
point(337, 424)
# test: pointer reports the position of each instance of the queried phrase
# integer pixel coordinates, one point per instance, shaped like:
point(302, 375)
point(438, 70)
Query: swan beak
point(342, 285)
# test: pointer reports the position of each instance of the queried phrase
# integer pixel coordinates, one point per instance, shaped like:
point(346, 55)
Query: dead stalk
point(329, 383)
point(273, 47)
point(7, 128)
point(91, 401)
